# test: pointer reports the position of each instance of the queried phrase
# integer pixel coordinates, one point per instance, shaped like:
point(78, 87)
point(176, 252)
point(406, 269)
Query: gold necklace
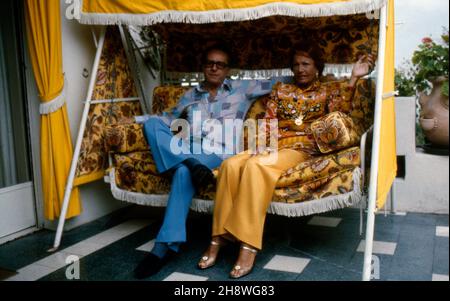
point(292, 110)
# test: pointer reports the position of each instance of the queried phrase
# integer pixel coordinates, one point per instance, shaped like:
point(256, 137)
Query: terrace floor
point(325, 247)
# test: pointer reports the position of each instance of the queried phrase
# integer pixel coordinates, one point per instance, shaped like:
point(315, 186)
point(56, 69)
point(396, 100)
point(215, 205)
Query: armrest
point(124, 138)
point(335, 131)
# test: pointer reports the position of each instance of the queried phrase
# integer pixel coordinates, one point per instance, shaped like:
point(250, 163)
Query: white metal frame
point(99, 43)
point(76, 154)
point(370, 227)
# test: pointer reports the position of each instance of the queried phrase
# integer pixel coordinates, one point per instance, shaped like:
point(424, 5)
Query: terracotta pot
point(434, 114)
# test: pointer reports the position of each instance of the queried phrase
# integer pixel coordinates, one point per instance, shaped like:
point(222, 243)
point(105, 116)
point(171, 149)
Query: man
point(216, 98)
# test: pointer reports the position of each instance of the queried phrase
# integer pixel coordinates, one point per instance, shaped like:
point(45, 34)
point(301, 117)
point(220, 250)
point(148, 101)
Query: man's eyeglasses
point(219, 65)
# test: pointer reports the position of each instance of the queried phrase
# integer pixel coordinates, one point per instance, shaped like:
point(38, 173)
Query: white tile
point(57, 260)
point(83, 248)
point(32, 272)
point(184, 277)
point(287, 264)
point(118, 232)
point(438, 277)
point(147, 247)
point(379, 247)
point(325, 221)
point(442, 231)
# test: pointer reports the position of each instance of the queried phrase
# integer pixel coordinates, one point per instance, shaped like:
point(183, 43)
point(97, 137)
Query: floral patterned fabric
point(320, 167)
point(137, 172)
point(114, 80)
point(125, 138)
point(333, 184)
point(334, 131)
point(266, 43)
point(166, 97)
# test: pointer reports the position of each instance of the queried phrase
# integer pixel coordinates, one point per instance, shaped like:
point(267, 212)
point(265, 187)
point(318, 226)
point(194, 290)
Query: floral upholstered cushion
point(334, 131)
point(320, 167)
point(128, 178)
point(140, 161)
point(166, 97)
point(125, 138)
point(332, 184)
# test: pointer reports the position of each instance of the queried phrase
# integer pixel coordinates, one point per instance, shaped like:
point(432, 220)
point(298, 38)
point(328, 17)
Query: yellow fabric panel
point(152, 6)
point(88, 178)
point(44, 42)
point(387, 168)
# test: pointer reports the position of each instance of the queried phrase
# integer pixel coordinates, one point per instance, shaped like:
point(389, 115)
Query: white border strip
point(230, 15)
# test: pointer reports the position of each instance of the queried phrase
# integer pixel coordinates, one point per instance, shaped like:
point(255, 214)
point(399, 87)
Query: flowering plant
point(431, 61)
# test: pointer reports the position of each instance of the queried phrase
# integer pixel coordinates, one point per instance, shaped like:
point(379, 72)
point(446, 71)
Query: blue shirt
point(232, 102)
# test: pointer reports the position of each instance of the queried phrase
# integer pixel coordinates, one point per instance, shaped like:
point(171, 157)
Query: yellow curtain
point(387, 168)
point(44, 42)
point(152, 6)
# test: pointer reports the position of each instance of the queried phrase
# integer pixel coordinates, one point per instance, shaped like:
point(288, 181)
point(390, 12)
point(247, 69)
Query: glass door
point(17, 201)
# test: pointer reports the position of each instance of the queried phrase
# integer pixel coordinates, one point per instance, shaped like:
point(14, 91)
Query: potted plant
point(430, 69)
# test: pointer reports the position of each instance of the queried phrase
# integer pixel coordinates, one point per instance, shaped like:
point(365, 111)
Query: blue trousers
point(158, 135)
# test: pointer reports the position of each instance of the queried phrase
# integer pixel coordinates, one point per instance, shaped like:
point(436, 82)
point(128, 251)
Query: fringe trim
point(55, 104)
point(330, 203)
point(232, 15)
point(338, 70)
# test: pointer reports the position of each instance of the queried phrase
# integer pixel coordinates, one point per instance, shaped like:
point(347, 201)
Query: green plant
point(431, 61)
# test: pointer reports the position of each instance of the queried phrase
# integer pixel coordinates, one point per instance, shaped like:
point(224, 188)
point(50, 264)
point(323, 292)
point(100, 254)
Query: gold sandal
point(239, 271)
point(208, 261)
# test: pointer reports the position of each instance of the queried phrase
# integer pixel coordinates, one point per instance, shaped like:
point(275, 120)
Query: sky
point(415, 20)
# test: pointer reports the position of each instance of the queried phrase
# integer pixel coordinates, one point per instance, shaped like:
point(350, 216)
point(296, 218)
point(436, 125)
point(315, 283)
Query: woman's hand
point(362, 67)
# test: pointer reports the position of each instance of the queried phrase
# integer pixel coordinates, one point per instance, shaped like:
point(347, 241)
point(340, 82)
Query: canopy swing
point(259, 28)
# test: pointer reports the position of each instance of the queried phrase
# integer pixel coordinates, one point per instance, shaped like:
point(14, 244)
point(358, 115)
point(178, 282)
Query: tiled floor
point(325, 247)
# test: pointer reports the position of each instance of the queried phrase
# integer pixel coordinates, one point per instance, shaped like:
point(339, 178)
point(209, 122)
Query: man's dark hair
point(313, 51)
point(219, 46)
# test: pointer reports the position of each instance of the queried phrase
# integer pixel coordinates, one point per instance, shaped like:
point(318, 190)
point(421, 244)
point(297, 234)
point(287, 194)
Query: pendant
point(299, 120)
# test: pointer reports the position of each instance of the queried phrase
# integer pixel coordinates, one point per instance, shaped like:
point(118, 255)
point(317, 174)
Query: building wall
point(424, 187)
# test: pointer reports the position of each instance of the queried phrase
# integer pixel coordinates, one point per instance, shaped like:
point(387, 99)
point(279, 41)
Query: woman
point(246, 182)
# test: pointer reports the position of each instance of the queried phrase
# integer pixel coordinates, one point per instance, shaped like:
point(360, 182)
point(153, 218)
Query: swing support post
point(76, 153)
point(370, 227)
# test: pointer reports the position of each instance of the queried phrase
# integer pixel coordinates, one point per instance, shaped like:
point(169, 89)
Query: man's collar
point(227, 85)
